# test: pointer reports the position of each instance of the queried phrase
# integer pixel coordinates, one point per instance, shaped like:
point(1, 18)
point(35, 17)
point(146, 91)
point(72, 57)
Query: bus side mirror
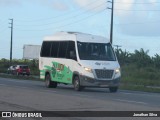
point(73, 55)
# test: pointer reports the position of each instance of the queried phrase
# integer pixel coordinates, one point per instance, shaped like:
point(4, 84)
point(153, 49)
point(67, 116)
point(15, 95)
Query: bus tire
point(49, 83)
point(76, 84)
point(113, 89)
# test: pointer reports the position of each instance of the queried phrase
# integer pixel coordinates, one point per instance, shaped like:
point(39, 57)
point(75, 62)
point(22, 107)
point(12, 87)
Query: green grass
point(143, 79)
point(142, 76)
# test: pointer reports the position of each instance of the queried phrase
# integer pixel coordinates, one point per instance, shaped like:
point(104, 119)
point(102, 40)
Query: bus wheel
point(76, 84)
point(113, 89)
point(49, 83)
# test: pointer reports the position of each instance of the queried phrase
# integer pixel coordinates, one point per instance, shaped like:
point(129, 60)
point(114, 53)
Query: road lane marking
point(129, 101)
point(141, 93)
point(81, 95)
point(126, 93)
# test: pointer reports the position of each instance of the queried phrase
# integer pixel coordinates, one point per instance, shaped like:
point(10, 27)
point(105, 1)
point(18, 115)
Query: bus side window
point(46, 47)
point(71, 50)
point(54, 50)
point(62, 49)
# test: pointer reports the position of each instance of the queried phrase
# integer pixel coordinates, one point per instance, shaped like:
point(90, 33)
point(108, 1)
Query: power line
point(3, 30)
point(71, 23)
point(81, 9)
point(2, 21)
point(73, 11)
point(6, 49)
point(117, 46)
point(40, 36)
point(137, 10)
point(3, 26)
point(144, 22)
point(137, 3)
point(68, 18)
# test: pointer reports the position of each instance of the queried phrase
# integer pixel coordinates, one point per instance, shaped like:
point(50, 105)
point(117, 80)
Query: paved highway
point(26, 95)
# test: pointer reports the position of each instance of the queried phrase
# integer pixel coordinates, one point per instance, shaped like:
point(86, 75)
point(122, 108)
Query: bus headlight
point(117, 70)
point(88, 69)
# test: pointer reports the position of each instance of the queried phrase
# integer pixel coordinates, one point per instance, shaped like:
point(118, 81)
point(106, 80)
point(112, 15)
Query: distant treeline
point(140, 58)
point(139, 70)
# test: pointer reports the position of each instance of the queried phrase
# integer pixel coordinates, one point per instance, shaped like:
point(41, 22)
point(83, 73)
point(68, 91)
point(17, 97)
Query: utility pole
point(11, 23)
point(117, 46)
point(111, 29)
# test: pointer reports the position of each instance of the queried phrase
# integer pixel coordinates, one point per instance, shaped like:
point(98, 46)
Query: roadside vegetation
point(33, 65)
point(140, 71)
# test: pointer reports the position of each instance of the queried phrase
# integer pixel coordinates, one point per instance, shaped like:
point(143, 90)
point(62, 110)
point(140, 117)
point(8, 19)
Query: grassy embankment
point(142, 79)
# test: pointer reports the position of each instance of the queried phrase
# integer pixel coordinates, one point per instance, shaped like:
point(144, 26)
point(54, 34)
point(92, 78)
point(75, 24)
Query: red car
point(22, 70)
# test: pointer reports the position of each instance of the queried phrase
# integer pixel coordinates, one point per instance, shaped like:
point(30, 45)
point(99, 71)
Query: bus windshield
point(95, 51)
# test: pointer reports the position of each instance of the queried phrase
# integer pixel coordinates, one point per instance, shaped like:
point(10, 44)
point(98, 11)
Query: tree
point(141, 58)
point(123, 57)
point(156, 61)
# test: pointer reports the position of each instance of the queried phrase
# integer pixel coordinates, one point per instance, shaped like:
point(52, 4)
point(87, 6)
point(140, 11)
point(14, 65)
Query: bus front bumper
point(91, 82)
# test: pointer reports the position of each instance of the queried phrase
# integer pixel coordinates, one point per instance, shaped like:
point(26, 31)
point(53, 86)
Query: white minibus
point(81, 59)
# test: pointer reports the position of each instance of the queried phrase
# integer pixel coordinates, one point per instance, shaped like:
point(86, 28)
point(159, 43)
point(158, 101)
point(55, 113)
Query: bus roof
point(76, 36)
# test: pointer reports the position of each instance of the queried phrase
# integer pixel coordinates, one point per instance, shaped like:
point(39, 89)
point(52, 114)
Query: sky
point(136, 22)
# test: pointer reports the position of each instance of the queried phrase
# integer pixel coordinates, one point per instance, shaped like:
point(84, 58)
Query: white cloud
point(152, 1)
point(140, 23)
point(55, 4)
point(9, 2)
point(124, 14)
point(59, 5)
point(102, 4)
point(121, 5)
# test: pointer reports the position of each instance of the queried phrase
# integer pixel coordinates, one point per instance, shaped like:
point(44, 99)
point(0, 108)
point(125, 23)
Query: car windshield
point(24, 67)
point(95, 51)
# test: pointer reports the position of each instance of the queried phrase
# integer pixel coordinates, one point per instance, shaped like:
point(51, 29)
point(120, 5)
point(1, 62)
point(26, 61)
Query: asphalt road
point(26, 95)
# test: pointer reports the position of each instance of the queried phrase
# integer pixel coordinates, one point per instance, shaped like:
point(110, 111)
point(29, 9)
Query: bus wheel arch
point(48, 82)
point(76, 82)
